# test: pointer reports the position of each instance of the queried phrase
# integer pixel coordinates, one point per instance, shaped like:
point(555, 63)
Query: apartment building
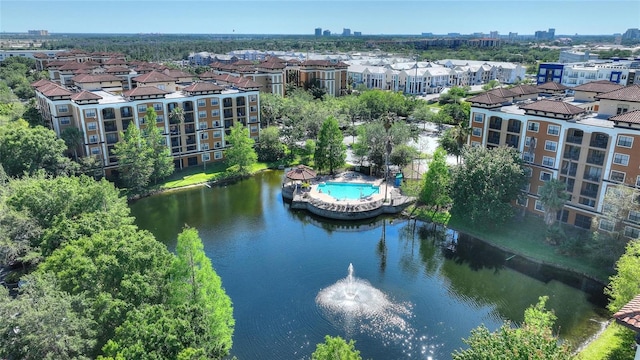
point(589, 147)
point(103, 106)
point(623, 72)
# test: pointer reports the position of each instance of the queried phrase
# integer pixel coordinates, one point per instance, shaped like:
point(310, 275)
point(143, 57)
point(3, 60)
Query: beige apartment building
point(103, 105)
point(590, 141)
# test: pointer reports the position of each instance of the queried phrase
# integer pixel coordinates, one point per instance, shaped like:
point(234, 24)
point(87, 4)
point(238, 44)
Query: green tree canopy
point(486, 183)
point(436, 182)
point(73, 138)
point(553, 195)
point(330, 152)
point(336, 348)
point(43, 322)
point(135, 160)
point(454, 139)
point(195, 283)
point(241, 152)
point(533, 340)
point(26, 150)
point(269, 148)
point(160, 153)
point(625, 284)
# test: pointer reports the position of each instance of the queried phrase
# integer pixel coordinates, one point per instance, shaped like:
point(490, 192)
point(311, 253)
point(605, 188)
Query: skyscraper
point(318, 31)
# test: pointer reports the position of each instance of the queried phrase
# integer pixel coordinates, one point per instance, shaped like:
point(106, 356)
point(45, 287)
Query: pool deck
point(324, 205)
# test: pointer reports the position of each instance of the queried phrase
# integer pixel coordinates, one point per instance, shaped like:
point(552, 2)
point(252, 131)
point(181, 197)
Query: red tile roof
point(114, 61)
point(487, 99)
point(632, 117)
point(271, 65)
point(553, 106)
point(629, 315)
point(154, 76)
point(177, 73)
point(207, 75)
point(40, 56)
point(85, 95)
point(41, 82)
point(203, 87)
point(552, 86)
point(601, 86)
point(87, 78)
point(524, 89)
point(117, 69)
point(72, 65)
point(145, 91)
point(503, 92)
point(54, 90)
point(629, 93)
point(243, 62)
point(326, 63)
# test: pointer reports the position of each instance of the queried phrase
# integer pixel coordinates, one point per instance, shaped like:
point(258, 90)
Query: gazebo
point(629, 316)
point(301, 173)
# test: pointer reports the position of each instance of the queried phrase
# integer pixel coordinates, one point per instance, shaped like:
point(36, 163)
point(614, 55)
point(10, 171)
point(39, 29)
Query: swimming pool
point(348, 191)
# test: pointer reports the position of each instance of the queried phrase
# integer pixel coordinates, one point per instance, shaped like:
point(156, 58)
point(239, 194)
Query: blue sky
point(302, 16)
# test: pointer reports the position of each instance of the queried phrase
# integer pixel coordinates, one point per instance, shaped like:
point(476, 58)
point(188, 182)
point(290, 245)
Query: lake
point(274, 261)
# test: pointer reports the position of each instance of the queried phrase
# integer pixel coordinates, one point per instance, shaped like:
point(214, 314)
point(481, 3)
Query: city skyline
point(302, 17)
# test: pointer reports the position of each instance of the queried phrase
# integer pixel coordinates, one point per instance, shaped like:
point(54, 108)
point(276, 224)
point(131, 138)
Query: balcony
point(240, 101)
point(108, 114)
point(189, 118)
point(496, 125)
point(126, 112)
point(227, 103)
point(228, 114)
point(187, 106)
point(189, 129)
point(191, 140)
point(514, 128)
point(589, 193)
point(228, 124)
point(191, 148)
point(595, 177)
point(572, 153)
point(110, 126)
point(494, 139)
point(599, 141)
point(595, 159)
point(587, 202)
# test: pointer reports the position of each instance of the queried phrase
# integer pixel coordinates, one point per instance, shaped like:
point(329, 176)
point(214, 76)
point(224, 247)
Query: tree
point(32, 115)
point(486, 183)
point(619, 203)
point(553, 195)
point(454, 139)
point(436, 183)
point(160, 153)
point(270, 108)
point(43, 322)
point(336, 348)
point(176, 116)
point(24, 149)
point(241, 152)
point(330, 152)
point(195, 283)
point(269, 148)
point(533, 340)
point(625, 284)
point(459, 112)
point(134, 159)
point(117, 270)
point(402, 155)
point(492, 84)
point(73, 138)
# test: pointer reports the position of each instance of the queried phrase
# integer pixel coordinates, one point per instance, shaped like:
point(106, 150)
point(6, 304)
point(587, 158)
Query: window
point(215, 113)
point(217, 155)
point(553, 130)
point(254, 128)
point(617, 176)
point(202, 125)
point(217, 134)
point(638, 181)
point(625, 141)
point(204, 136)
point(522, 201)
point(477, 131)
point(142, 108)
point(93, 139)
point(550, 145)
point(621, 159)
point(95, 151)
point(475, 144)
point(204, 146)
point(215, 101)
point(622, 109)
point(92, 126)
point(63, 108)
point(606, 225)
point(216, 124)
point(539, 206)
point(533, 126)
point(157, 106)
point(217, 145)
point(582, 221)
point(161, 87)
point(253, 118)
point(634, 216)
point(528, 157)
point(527, 171)
point(159, 118)
point(631, 232)
point(90, 113)
point(65, 120)
point(479, 118)
point(548, 161)
point(545, 176)
point(202, 114)
point(206, 157)
point(253, 108)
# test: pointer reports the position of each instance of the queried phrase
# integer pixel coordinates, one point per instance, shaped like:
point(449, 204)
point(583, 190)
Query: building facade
point(558, 138)
point(102, 108)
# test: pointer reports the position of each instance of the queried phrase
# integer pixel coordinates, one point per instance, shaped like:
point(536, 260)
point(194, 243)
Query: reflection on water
point(274, 262)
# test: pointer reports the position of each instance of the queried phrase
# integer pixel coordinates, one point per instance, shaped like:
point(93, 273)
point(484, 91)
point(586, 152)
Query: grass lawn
point(615, 343)
point(198, 175)
point(526, 237)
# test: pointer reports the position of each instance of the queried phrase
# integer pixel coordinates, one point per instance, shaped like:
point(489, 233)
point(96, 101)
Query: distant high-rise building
point(39, 32)
point(453, 34)
point(318, 31)
point(357, 33)
point(551, 33)
point(346, 32)
point(478, 34)
point(513, 35)
point(545, 35)
point(427, 34)
point(631, 34)
point(326, 33)
point(493, 34)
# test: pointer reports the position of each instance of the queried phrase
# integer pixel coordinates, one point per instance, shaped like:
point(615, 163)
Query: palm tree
point(73, 138)
point(176, 116)
point(553, 196)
